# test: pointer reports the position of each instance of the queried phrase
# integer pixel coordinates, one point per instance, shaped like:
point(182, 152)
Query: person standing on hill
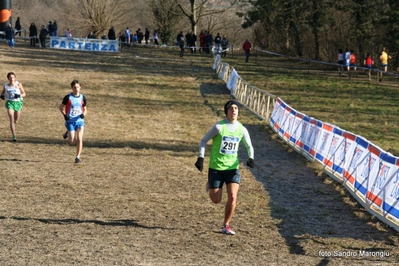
point(247, 46)
point(135, 39)
point(202, 41)
point(74, 110)
point(226, 136)
point(127, 35)
point(55, 28)
point(193, 39)
point(218, 43)
point(155, 37)
point(225, 44)
point(42, 36)
point(10, 36)
point(347, 61)
point(139, 35)
point(146, 35)
point(91, 35)
point(13, 92)
point(18, 26)
point(368, 62)
point(111, 34)
point(50, 28)
point(384, 62)
point(68, 33)
point(32, 34)
point(180, 42)
point(187, 38)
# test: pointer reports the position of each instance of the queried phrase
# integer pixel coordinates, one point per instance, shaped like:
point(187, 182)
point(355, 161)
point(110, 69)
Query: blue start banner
point(82, 44)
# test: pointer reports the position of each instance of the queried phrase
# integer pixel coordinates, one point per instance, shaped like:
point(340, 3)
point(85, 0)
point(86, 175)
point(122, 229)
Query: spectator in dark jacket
point(10, 36)
point(140, 35)
point(42, 36)
point(32, 34)
point(91, 35)
point(208, 42)
point(180, 42)
point(146, 35)
point(225, 44)
point(18, 26)
point(51, 28)
point(192, 40)
point(55, 28)
point(111, 34)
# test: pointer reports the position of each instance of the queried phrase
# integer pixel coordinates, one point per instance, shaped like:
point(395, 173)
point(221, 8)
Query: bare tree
point(196, 9)
point(227, 23)
point(32, 12)
point(99, 15)
point(165, 16)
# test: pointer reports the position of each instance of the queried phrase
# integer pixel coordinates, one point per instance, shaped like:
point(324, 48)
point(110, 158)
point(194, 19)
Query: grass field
point(369, 109)
point(136, 198)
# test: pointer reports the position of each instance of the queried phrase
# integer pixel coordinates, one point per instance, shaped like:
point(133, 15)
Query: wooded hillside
point(317, 29)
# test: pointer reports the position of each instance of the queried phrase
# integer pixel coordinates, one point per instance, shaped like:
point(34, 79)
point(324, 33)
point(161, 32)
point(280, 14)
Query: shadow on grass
point(131, 61)
point(14, 160)
point(210, 90)
point(304, 208)
point(127, 223)
point(167, 145)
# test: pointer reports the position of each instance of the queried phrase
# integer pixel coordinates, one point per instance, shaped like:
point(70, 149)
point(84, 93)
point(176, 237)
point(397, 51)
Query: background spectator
point(18, 26)
point(50, 28)
point(247, 46)
point(55, 28)
point(225, 44)
point(42, 36)
point(146, 35)
point(111, 34)
point(33, 34)
point(10, 36)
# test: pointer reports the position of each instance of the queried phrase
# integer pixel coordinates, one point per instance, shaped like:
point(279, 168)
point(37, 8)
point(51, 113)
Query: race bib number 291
point(229, 145)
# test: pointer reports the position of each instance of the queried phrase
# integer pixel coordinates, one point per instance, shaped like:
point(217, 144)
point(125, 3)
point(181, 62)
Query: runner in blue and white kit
point(74, 110)
point(223, 164)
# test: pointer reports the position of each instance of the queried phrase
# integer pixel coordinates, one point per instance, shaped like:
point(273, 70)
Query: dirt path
point(137, 198)
point(313, 213)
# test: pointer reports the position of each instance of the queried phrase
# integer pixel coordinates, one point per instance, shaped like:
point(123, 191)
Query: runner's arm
point(21, 88)
point(248, 144)
point(213, 132)
point(3, 91)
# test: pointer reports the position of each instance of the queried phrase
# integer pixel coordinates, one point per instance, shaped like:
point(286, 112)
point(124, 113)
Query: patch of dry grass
point(365, 108)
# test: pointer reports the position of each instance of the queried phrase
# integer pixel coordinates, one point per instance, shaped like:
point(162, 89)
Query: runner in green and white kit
point(13, 92)
point(226, 136)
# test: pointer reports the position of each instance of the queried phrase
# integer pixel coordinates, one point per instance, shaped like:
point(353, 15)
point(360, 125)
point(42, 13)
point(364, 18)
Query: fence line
point(259, 102)
point(369, 173)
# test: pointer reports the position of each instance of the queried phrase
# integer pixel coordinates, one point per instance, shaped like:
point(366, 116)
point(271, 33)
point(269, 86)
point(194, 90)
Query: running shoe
point(77, 160)
point(65, 135)
point(227, 230)
point(14, 138)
